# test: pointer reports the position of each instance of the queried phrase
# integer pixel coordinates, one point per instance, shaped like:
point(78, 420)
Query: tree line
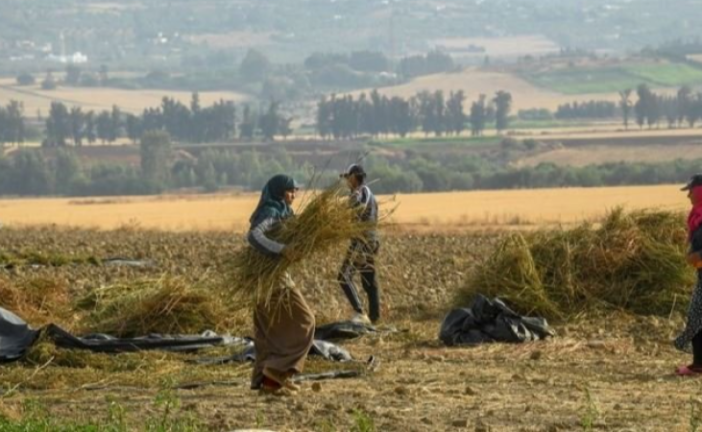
point(192, 124)
point(61, 171)
point(431, 112)
point(685, 107)
point(648, 110)
point(591, 110)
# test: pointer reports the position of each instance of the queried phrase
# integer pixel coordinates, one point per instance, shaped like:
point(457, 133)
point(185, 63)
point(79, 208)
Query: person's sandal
point(290, 385)
point(274, 388)
point(688, 371)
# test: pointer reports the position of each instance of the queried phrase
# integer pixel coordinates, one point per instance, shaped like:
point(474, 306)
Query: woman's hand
point(695, 260)
point(288, 254)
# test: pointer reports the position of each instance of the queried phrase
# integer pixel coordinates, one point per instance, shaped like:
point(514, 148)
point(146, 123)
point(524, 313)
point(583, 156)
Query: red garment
point(694, 219)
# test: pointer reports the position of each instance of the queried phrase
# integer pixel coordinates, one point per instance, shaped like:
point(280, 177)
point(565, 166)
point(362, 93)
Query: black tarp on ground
point(489, 321)
point(109, 344)
point(342, 330)
point(16, 337)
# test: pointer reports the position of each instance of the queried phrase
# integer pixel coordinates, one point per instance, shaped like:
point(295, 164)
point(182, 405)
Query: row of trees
point(587, 110)
point(33, 172)
point(651, 109)
point(432, 113)
point(194, 123)
point(61, 171)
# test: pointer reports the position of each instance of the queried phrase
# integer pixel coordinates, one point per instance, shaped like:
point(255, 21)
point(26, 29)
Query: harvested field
point(35, 99)
point(599, 154)
point(426, 212)
point(498, 46)
point(623, 363)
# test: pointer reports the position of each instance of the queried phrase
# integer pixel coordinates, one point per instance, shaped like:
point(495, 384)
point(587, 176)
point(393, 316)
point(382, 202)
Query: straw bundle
point(38, 300)
point(326, 221)
point(166, 305)
point(633, 261)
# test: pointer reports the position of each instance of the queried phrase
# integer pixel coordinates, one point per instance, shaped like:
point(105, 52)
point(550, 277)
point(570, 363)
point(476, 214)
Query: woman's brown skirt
point(283, 334)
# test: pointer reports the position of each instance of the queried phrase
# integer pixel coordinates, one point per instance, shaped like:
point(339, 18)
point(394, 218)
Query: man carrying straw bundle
point(692, 335)
point(360, 256)
point(283, 324)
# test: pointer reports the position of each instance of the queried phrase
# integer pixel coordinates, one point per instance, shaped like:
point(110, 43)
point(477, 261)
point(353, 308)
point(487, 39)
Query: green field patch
point(582, 81)
point(613, 79)
point(667, 74)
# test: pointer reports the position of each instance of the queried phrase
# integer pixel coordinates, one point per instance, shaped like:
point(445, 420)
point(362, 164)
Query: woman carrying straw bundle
point(283, 330)
point(692, 335)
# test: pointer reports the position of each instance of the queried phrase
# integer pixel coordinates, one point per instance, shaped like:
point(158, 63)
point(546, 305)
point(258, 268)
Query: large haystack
point(631, 261)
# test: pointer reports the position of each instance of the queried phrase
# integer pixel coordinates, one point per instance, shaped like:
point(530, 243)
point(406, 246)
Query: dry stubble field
point(36, 99)
point(601, 373)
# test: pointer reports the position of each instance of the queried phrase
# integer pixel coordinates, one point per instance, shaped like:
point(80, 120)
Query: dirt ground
point(611, 372)
point(614, 378)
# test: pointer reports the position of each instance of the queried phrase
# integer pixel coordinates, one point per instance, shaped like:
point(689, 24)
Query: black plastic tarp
point(109, 344)
point(16, 337)
point(343, 330)
point(488, 321)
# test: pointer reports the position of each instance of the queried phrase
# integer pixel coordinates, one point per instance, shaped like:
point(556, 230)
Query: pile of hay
point(167, 305)
point(632, 261)
point(38, 300)
point(326, 221)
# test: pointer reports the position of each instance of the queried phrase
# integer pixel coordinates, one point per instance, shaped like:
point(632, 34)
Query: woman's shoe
point(690, 370)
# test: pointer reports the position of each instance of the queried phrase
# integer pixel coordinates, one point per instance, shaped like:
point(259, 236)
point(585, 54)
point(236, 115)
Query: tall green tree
point(103, 124)
point(115, 130)
point(478, 116)
point(456, 118)
point(15, 130)
point(503, 106)
point(58, 125)
point(77, 126)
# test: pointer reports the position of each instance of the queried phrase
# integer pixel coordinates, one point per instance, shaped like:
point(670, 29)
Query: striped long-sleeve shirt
point(261, 242)
point(363, 199)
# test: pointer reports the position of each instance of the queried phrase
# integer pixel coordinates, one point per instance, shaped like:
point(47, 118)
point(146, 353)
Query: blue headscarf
point(272, 203)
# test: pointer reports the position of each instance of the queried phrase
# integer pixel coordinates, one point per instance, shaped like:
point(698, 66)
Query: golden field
point(475, 82)
point(426, 212)
point(97, 99)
